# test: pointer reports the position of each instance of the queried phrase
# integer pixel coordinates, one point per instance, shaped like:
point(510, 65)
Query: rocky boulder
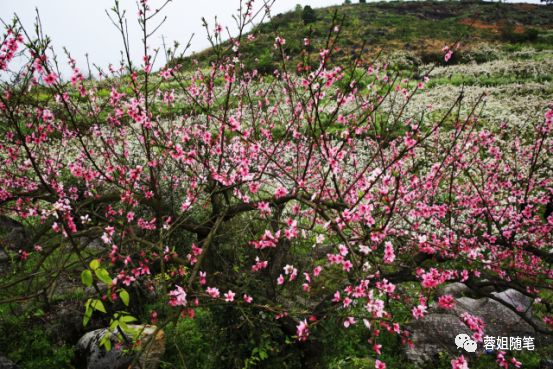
point(4, 261)
point(152, 348)
point(456, 289)
point(500, 320)
point(515, 299)
point(63, 321)
point(6, 363)
point(436, 332)
point(13, 235)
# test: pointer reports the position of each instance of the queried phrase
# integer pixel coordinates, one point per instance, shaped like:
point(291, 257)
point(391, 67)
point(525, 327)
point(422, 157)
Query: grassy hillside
point(419, 28)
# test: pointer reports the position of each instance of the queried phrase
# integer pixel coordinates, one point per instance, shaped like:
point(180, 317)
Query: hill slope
point(421, 28)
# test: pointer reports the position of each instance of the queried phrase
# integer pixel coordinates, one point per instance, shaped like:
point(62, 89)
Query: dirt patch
point(494, 27)
point(519, 29)
point(478, 24)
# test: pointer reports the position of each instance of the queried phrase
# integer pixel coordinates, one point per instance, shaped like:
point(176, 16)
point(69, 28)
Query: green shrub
point(532, 34)
point(29, 345)
point(308, 15)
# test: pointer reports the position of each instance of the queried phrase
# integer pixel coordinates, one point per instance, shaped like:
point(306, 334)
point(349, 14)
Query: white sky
point(83, 26)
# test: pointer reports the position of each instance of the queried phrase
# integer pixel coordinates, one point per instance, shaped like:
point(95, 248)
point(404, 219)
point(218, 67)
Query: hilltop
point(418, 28)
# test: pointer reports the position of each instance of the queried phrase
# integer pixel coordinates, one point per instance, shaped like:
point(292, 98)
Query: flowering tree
point(308, 194)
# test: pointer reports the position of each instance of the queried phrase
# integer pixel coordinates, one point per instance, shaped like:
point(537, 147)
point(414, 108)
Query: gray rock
point(4, 258)
point(64, 320)
point(13, 234)
point(6, 363)
point(4, 262)
point(95, 244)
point(500, 320)
point(517, 300)
point(456, 289)
point(96, 357)
point(91, 291)
point(436, 332)
point(546, 364)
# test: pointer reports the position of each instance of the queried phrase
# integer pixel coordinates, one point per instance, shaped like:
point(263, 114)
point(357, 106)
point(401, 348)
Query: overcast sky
point(83, 26)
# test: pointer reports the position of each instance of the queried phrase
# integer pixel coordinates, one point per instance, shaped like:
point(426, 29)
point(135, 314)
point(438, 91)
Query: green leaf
point(107, 345)
point(124, 327)
point(87, 313)
point(124, 295)
point(98, 305)
point(94, 264)
point(86, 277)
point(113, 324)
point(128, 318)
point(86, 317)
point(103, 275)
point(106, 342)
